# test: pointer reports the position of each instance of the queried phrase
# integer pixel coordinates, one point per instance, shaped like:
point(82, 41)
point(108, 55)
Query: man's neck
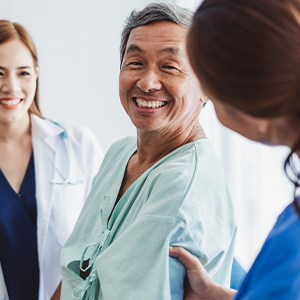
point(152, 146)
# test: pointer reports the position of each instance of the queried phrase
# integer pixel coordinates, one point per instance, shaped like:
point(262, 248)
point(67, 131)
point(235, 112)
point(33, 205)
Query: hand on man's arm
point(198, 285)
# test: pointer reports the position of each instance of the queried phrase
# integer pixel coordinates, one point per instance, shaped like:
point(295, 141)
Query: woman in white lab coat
point(46, 172)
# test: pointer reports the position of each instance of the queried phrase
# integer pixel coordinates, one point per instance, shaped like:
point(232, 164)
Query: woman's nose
point(149, 82)
point(11, 85)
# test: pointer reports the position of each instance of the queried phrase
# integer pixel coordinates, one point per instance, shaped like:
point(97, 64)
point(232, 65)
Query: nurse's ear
point(263, 126)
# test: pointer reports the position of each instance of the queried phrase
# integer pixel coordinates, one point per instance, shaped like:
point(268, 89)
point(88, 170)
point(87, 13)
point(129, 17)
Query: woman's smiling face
point(158, 88)
point(18, 76)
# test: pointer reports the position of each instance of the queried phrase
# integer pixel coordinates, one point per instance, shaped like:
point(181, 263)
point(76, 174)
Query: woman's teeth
point(149, 104)
point(10, 102)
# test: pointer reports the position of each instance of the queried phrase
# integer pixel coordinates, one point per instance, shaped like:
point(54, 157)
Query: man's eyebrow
point(134, 48)
point(172, 50)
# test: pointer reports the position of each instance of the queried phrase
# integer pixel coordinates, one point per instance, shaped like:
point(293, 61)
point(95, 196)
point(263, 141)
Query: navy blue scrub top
point(18, 237)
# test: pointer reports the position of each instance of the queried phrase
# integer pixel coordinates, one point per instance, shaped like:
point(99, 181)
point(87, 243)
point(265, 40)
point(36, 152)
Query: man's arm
point(198, 285)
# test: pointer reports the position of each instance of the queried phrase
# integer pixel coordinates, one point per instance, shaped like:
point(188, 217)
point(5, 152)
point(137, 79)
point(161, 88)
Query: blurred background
point(78, 47)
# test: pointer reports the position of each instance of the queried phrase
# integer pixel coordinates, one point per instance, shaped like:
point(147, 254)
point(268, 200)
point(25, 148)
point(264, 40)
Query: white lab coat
point(58, 206)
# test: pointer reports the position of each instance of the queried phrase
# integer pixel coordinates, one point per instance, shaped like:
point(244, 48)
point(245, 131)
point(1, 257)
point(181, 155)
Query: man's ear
point(204, 98)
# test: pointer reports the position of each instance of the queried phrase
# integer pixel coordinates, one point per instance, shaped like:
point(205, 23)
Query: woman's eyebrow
point(19, 68)
point(24, 67)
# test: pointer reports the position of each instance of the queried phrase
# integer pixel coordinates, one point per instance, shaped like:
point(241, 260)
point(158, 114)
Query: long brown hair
point(14, 31)
point(246, 53)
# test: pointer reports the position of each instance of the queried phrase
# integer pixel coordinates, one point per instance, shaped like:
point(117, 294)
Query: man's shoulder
point(122, 146)
point(194, 171)
point(118, 151)
point(193, 160)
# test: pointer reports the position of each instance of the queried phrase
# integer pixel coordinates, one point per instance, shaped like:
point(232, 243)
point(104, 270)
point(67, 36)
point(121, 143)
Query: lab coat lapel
point(45, 150)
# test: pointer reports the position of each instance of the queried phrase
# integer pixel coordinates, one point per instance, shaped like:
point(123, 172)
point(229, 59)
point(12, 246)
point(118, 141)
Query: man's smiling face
point(157, 86)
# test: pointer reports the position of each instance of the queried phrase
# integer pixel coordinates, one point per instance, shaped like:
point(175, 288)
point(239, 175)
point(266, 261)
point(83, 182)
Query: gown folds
point(181, 200)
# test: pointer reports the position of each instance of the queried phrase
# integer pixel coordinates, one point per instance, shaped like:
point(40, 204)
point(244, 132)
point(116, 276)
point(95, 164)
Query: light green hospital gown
point(181, 200)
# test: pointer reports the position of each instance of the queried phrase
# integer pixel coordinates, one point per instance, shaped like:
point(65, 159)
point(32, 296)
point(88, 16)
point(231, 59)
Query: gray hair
point(152, 13)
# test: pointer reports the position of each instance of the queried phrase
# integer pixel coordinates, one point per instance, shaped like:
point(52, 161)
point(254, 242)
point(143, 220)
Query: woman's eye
point(24, 73)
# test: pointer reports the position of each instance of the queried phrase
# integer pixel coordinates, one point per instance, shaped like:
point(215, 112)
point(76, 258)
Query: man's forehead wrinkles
point(174, 50)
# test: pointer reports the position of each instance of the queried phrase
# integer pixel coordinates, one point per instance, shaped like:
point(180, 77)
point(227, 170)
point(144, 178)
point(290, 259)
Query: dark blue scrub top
point(18, 237)
point(275, 274)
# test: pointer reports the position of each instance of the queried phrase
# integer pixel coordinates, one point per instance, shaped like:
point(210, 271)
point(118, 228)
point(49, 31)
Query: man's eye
point(135, 63)
point(169, 67)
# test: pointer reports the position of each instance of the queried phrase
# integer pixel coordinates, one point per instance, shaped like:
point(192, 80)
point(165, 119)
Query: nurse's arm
point(56, 295)
point(198, 285)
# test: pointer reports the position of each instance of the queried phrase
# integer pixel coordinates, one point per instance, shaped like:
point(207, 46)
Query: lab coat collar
point(43, 128)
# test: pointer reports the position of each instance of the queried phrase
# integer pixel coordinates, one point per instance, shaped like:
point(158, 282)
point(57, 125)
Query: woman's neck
point(287, 130)
point(15, 131)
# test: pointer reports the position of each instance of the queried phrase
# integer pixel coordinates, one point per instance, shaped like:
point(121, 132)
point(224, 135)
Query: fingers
point(188, 260)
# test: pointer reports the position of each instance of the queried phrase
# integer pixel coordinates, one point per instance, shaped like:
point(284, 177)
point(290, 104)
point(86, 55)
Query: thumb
point(190, 261)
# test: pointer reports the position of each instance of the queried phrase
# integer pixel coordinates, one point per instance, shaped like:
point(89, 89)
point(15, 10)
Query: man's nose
point(11, 85)
point(150, 81)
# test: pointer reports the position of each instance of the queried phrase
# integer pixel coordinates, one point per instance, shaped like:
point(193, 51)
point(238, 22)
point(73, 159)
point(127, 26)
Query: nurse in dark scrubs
point(18, 212)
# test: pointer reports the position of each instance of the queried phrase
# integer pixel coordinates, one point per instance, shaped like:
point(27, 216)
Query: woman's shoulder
point(47, 127)
point(81, 140)
point(286, 230)
point(276, 268)
point(76, 131)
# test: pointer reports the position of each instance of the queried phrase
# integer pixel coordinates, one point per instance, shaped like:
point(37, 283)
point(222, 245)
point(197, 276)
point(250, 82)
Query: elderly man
point(163, 187)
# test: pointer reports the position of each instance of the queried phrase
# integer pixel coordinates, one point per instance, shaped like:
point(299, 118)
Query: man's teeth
point(10, 102)
point(149, 104)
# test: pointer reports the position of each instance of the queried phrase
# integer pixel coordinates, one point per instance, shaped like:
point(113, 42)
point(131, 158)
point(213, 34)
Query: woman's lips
point(10, 103)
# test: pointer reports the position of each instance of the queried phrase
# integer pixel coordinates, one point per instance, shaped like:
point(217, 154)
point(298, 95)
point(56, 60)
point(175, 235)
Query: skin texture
point(156, 68)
